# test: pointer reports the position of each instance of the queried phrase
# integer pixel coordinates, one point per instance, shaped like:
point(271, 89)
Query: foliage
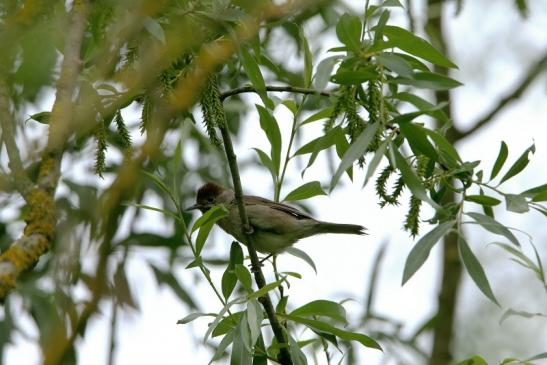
point(133, 58)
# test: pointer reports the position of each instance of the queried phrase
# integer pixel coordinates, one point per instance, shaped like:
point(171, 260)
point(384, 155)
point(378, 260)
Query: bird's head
point(210, 195)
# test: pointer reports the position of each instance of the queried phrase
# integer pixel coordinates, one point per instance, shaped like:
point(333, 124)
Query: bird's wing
point(256, 200)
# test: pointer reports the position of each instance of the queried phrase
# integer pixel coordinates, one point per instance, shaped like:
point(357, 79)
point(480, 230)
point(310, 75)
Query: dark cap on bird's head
point(207, 196)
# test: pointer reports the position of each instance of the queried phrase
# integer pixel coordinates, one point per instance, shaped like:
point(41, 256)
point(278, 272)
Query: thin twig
point(40, 229)
point(22, 182)
point(289, 89)
point(533, 73)
point(284, 355)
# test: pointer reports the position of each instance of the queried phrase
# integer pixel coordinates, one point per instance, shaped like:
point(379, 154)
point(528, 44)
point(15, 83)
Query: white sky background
point(490, 43)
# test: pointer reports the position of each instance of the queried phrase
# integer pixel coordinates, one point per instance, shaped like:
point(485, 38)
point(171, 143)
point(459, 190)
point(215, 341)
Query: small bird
point(275, 226)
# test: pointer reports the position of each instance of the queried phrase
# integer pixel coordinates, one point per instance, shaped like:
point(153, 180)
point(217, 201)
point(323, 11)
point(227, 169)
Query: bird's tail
point(327, 227)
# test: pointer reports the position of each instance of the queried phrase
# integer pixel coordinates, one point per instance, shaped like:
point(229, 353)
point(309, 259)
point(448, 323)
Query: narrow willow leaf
point(354, 77)
point(220, 317)
point(411, 180)
point(427, 80)
point(378, 155)
point(308, 63)
point(241, 348)
point(483, 200)
point(267, 162)
point(475, 360)
point(322, 114)
point(227, 324)
point(348, 31)
point(516, 203)
point(325, 327)
point(519, 165)
point(324, 308)
point(203, 233)
point(420, 251)
point(417, 139)
point(255, 76)
point(244, 276)
point(212, 215)
point(228, 282)
point(254, 319)
point(422, 104)
point(396, 64)
point(500, 160)
point(492, 225)
point(305, 191)
point(408, 42)
point(189, 318)
point(531, 193)
point(475, 270)
point(356, 150)
point(264, 290)
point(323, 72)
point(271, 128)
point(222, 346)
point(301, 255)
point(297, 356)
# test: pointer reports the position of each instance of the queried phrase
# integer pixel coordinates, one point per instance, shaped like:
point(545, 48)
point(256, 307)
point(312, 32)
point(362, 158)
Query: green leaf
point(420, 251)
point(189, 318)
point(324, 308)
point(255, 76)
point(297, 356)
point(301, 255)
point(483, 200)
point(305, 191)
point(427, 80)
point(255, 316)
point(396, 64)
point(308, 65)
point(356, 150)
point(378, 155)
point(500, 160)
point(203, 233)
point(42, 117)
point(531, 193)
point(475, 270)
point(241, 348)
point(354, 77)
point(516, 203)
point(447, 151)
point(519, 165)
point(408, 42)
point(325, 327)
point(212, 215)
point(222, 346)
point(322, 114)
point(244, 276)
point(228, 282)
point(323, 72)
point(154, 28)
point(394, 3)
point(348, 31)
point(411, 180)
point(264, 290)
point(492, 225)
point(271, 128)
point(266, 161)
point(417, 139)
point(422, 105)
point(475, 360)
point(226, 324)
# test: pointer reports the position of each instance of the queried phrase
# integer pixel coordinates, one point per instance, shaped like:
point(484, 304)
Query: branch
point(40, 229)
point(284, 355)
point(290, 89)
point(21, 181)
point(533, 73)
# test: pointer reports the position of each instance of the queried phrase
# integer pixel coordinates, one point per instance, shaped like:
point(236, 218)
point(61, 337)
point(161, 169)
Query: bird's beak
point(193, 207)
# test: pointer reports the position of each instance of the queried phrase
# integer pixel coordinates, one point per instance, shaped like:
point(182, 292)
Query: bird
point(275, 226)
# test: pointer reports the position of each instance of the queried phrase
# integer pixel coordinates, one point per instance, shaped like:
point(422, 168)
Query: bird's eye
point(210, 200)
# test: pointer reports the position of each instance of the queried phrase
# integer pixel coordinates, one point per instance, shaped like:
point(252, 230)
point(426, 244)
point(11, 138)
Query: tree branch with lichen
point(41, 220)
